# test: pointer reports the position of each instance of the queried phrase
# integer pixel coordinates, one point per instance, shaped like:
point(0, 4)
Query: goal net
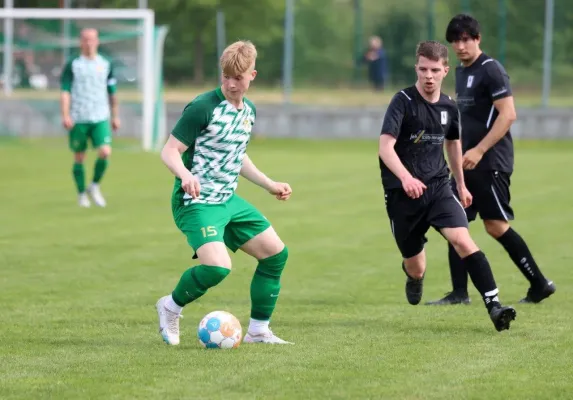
point(35, 44)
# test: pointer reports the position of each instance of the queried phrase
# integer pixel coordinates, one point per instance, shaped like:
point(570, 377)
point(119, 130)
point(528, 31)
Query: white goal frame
point(147, 16)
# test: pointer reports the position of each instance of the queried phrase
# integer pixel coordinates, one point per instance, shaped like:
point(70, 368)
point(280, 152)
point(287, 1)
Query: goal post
point(146, 37)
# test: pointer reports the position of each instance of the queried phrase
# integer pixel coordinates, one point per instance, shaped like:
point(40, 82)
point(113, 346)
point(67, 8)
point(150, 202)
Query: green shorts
point(98, 132)
point(234, 222)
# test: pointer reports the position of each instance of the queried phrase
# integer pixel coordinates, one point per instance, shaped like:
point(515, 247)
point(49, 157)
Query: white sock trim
point(257, 327)
point(172, 306)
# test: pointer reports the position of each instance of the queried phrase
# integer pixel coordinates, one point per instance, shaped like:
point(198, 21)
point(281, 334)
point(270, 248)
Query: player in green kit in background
point(206, 152)
point(88, 93)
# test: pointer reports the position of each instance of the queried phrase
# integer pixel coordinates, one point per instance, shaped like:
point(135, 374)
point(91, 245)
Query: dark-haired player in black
point(487, 111)
point(418, 123)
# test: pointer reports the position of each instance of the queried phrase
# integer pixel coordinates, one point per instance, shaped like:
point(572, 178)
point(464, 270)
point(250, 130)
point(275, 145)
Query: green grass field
point(78, 287)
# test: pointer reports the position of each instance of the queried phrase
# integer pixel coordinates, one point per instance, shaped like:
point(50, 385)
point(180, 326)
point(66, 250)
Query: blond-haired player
point(206, 152)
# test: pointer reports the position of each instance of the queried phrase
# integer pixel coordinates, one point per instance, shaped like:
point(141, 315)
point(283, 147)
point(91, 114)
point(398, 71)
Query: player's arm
point(390, 132)
point(113, 101)
point(390, 158)
point(171, 156)
point(453, 147)
point(507, 115)
point(66, 80)
point(499, 89)
point(249, 171)
point(188, 128)
point(454, 152)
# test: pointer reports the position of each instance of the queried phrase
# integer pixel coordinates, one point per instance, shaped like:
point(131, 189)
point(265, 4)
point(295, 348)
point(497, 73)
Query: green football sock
point(266, 285)
point(195, 281)
point(99, 169)
point(79, 177)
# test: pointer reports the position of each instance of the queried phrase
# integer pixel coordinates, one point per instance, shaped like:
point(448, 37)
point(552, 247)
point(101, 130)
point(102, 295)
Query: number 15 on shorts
point(208, 231)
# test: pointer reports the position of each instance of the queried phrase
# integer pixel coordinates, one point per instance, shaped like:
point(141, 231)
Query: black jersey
point(477, 87)
point(420, 128)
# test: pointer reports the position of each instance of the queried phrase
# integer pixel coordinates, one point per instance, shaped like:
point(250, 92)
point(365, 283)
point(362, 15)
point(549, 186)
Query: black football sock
point(480, 273)
point(521, 256)
point(458, 272)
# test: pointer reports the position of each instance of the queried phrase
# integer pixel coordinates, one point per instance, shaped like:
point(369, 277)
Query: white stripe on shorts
point(460, 203)
point(499, 203)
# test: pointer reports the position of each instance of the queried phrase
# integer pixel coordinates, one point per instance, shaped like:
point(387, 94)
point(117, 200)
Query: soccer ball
point(220, 330)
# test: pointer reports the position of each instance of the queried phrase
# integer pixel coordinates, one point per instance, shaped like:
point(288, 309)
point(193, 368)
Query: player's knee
point(417, 273)
point(79, 157)
point(264, 245)
point(214, 253)
point(276, 248)
point(223, 261)
point(275, 264)
point(415, 266)
point(282, 256)
point(213, 276)
point(104, 151)
point(463, 243)
point(495, 228)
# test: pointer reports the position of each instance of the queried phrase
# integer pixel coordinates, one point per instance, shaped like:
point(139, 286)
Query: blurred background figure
point(375, 56)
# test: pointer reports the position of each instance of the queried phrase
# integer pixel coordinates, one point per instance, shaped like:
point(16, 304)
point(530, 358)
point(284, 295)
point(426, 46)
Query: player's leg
point(448, 216)
point(271, 255)
point(78, 145)
point(204, 226)
point(496, 214)
point(481, 275)
point(409, 230)
point(458, 272)
point(415, 268)
point(101, 139)
point(251, 232)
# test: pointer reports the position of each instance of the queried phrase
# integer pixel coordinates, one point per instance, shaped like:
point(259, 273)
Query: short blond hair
point(238, 58)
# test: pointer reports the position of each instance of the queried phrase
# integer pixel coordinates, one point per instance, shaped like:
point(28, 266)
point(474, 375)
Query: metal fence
point(321, 43)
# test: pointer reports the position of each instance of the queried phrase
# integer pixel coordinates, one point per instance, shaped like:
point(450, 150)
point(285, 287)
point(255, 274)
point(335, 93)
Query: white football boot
point(168, 322)
point(84, 200)
point(96, 195)
point(267, 337)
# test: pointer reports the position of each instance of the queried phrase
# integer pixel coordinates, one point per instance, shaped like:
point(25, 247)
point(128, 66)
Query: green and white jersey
point(217, 134)
point(90, 82)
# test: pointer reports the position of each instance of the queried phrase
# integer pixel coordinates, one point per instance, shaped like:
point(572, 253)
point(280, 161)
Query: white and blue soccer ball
point(220, 330)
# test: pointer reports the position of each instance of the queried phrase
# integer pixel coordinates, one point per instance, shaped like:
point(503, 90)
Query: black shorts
point(491, 196)
point(410, 219)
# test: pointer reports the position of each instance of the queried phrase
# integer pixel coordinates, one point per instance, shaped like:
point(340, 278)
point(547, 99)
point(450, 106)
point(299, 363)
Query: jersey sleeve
point(250, 103)
point(455, 130)
point(497, 81)
point(394, 116)
point(67, 77)
point(193, 121)
point(111, 81)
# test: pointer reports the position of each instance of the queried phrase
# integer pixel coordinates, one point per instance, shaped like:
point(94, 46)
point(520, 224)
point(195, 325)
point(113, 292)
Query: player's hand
point(280, 190)
point(413, 187)
point(115, 124)
point(190, 184)
point(472, 158)
point(67, 122)
point(466, 197)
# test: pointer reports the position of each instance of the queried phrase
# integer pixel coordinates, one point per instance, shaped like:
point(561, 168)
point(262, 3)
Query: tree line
point(329, 38)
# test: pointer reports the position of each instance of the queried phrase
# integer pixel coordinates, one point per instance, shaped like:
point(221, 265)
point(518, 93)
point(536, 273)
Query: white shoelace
point(173, 321)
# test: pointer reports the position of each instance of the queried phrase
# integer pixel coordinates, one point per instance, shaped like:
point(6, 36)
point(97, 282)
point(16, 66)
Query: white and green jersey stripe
point(90, 81)
point(217, 134)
